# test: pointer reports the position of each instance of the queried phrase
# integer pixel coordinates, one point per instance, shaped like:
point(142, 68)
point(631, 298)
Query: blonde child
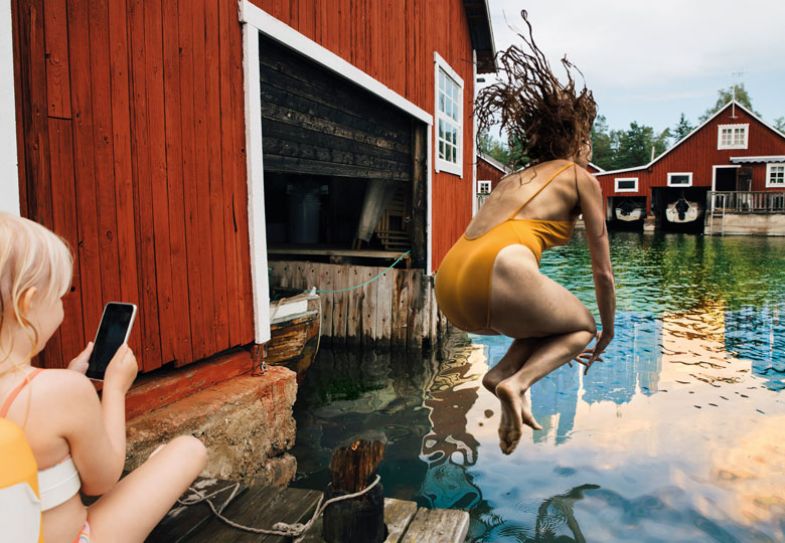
point(78, 440)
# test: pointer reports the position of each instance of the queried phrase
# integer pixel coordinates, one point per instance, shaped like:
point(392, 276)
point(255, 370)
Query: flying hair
point(550, 119)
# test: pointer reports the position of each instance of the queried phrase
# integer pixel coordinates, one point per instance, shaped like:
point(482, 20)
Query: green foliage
point(726, 95)
point(510, 154)
point(682, 129)
point(616, 149)
point(779, 124)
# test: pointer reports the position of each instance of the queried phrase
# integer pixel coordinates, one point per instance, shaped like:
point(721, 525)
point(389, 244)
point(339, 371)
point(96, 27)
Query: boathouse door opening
point(343, 169)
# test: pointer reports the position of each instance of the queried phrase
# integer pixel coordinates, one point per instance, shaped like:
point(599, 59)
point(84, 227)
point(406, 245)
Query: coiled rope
point(295, 530)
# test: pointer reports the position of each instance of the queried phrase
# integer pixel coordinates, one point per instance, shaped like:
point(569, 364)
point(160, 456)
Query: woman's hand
point(593, 354)
point(122, 370)
point(82, 360)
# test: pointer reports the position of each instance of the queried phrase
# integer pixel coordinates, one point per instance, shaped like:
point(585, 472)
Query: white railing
point(746, 201)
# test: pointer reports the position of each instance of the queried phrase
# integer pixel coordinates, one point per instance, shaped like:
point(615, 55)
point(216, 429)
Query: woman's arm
point(592, 207)
point(95, 430)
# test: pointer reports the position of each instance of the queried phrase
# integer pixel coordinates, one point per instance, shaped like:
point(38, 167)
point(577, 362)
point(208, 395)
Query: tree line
point(626, 148)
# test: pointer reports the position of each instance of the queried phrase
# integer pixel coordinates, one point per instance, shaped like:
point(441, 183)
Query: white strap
point(58, 484)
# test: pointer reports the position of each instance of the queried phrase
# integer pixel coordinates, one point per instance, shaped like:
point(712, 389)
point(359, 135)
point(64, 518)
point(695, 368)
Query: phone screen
point(112, 332)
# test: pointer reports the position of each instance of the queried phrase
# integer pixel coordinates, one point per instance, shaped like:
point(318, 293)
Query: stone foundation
point(772, 224)
point(246, 424)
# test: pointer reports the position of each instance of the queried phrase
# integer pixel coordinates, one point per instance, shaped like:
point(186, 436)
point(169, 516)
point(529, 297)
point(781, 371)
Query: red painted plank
point(57, 69)
point(229, 170)
point(216, 194)
point(123, 170)
point(65, 221)
point(181, 330)
point(203, 140)
point(103, 149)
point(148, 303)
point(188, 137)
point(156, 141)
point(160, 390)
point(240, 195)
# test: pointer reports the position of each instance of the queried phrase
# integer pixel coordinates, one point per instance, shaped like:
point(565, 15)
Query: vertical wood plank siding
point(488, 172)
point(131, 145)
point(699, 153)
point(132, 149)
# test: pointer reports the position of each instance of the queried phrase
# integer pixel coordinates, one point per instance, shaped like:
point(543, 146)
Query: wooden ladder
point(392, 230)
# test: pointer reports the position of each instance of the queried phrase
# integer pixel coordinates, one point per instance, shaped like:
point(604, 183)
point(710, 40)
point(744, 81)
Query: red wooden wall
point(131, 130)
point(394, 42)
point(699, 153)
point(131, 127)
point(488, 172)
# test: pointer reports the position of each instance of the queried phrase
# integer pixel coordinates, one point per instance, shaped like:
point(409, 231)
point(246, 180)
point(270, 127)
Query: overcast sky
point(649, 61)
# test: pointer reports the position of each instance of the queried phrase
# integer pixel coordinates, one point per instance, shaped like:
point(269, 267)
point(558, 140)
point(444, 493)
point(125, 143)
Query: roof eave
point(479, 19)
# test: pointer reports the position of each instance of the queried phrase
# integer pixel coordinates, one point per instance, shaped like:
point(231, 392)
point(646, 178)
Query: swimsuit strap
point(539, 190)
point(15, 392)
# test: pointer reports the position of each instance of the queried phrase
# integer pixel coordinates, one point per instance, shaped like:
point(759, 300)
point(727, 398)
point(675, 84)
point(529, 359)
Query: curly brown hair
point(550, 119)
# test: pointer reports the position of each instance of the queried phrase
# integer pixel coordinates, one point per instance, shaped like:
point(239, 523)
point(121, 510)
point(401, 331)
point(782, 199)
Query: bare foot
point(516, 411)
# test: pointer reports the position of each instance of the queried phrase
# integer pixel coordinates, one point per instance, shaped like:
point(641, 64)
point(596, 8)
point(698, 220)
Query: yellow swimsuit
point(463, 281)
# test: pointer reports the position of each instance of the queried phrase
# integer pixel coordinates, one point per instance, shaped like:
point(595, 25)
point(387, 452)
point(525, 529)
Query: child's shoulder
point(65, 384)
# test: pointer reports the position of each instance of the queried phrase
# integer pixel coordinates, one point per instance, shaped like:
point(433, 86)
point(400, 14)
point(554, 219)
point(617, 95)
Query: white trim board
point(257, 229)
point(9, 167)
point(616, 184)
point(671, 174)
point(280, 31)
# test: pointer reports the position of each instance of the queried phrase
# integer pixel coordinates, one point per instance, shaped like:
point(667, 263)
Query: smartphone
point(115, 327)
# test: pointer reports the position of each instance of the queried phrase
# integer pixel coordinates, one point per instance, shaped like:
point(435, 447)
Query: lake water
point(678, 436)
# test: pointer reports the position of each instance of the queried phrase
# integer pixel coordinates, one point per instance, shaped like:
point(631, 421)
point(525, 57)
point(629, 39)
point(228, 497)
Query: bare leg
point(512, 392)
point(520, 350)
point(130, 511)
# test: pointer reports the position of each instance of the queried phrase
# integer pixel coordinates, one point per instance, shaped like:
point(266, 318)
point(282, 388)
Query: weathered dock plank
point(260, 508)
point(183, 521)
point(437, 526)
point(397, 516)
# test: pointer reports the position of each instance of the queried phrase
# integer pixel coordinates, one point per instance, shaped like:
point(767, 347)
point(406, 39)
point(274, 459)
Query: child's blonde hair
point(30, 256)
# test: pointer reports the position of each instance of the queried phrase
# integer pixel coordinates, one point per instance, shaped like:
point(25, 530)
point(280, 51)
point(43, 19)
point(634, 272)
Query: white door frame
point(9, 167)
point(256, 20)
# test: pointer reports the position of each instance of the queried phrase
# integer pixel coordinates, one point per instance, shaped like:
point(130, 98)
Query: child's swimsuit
point(56, 484)
point(463, 281)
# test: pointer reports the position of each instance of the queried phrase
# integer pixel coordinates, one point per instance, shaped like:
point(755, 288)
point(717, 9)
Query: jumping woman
point(489, 282)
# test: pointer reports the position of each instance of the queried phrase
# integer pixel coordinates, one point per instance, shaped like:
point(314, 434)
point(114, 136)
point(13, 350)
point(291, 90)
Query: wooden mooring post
point(360, 519)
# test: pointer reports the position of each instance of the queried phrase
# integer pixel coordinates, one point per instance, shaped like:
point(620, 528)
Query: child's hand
point(122, 370)
point(82, 360)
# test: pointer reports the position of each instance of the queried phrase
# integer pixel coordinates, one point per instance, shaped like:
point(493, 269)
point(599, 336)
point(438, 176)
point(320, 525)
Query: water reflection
point(678, 436)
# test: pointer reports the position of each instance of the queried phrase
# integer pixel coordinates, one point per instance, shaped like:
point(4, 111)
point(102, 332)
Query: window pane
point(441, 149)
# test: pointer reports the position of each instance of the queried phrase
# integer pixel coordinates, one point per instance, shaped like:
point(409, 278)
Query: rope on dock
point(295, 530)
point(369, 281)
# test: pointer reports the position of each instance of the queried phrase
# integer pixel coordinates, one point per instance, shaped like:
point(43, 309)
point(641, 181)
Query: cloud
point(634, 44)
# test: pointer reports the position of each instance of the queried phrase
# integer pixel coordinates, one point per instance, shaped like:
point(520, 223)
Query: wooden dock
point(264, 506)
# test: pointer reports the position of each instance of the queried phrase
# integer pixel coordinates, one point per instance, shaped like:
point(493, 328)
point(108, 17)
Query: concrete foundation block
point(246, 424)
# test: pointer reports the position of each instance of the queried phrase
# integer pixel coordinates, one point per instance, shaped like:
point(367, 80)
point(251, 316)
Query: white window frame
point(616, 184)
point(769, 167)
point(441, 164)
point(732, 128)
point(484, 183)
point(671, 174)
